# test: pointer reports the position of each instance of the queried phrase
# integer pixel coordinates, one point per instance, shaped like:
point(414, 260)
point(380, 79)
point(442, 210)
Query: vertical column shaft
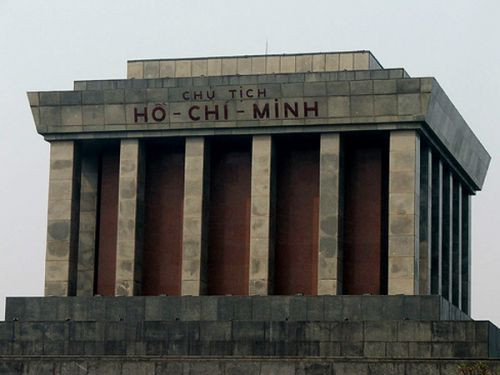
point(261, 215)
point(330, 208)
point(447, 246)
point(194, 242)
point(437, 226)
point(466, 252)
point(456, 285)
point(404, 181)
point(425, 227)
point(130, 218)
point(62, 226)
point(88, 225)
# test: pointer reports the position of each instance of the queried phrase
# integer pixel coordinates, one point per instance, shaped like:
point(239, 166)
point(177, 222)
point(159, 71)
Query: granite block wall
point(229, 308)
point(232, 366)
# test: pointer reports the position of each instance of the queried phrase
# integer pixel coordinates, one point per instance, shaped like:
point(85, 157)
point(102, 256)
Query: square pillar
point(88, 225)
point(466, 252)
point(425, 224)
point(261, 217)
point(62, 224)
point(130, 218)
point(404, 189)
point(330, 209)
point(447, 246)
point(194, 241)
point(437, 225)
point(456, 273)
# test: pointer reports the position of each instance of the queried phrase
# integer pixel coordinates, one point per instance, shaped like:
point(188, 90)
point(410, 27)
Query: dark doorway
point(297, 210)
point(365, 214)
point(164, 203)
point(109, 170)
point(229, 225)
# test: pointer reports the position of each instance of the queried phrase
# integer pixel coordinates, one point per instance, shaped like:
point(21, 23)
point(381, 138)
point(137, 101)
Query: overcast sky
point(46, 45)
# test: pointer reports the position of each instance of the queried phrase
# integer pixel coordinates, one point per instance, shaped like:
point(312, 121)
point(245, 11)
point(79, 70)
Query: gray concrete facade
point(247, 65)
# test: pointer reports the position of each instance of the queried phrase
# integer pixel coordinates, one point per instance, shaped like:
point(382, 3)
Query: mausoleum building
point(244, 192)
point(315, 174)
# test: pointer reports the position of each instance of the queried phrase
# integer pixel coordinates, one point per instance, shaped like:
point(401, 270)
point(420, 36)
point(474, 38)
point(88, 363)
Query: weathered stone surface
point(255, 308)
point(130, 216)
point(261, 203)
point(330, 186)
point(193, 236)
point(62, 237)
point(404, 189)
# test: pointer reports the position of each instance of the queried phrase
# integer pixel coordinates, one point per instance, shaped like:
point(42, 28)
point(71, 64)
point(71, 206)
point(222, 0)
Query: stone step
point(228, 308)
point(450, 339)
point(140, 365)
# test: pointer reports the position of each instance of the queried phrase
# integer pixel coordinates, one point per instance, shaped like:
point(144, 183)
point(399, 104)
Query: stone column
point(466, 252)
point(425, 227)
point(62, 225)
point(404, 181)
point(194, 244)
point(130, 218)
point(330, 209)
point(456, 284)
point(437, 225)
point(446, 254)
point(261, 217)
point(88, 225)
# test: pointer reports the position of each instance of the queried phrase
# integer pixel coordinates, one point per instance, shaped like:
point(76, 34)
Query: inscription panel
point(243, 103)
point(198, 106)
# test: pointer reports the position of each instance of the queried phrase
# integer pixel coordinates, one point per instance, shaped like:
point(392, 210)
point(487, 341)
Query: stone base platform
point(243, 335)
point(217, 308)
point(130, 365)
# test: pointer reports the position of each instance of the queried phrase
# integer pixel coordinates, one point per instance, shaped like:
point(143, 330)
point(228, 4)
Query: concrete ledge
point(227, 308)
point(389, 339)
point(131, 365)
point(156, 83)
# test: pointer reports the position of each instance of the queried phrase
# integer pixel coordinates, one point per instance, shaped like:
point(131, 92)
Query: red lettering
point(308, 109)
point(293, 110)
point(144, 115)
point(257, 113)
point(159, 114)
point(215, 112)
point(191, 115)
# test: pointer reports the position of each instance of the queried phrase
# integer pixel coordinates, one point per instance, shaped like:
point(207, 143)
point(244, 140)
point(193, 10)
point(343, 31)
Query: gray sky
point(46, 45)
